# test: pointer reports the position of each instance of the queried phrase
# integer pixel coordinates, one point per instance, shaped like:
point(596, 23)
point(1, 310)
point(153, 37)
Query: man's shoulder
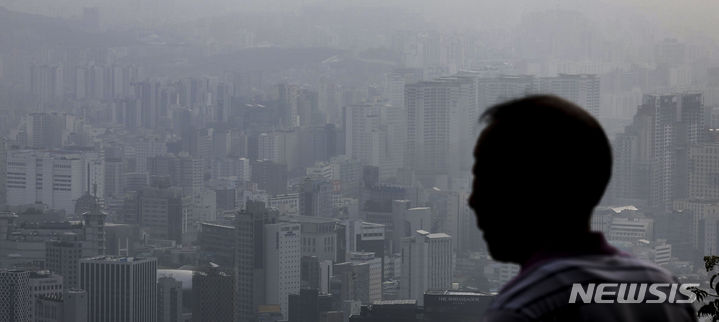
point(546, 288)
point(549, 276)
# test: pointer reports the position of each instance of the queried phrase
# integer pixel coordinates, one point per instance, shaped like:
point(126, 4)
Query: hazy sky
point(679, 18)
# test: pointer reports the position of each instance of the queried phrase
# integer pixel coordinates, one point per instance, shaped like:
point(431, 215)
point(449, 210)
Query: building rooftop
point(217, 225)
point(182, 275)
point(309, 219)
point(456, 293)
point(395, 302)
point(117, 259)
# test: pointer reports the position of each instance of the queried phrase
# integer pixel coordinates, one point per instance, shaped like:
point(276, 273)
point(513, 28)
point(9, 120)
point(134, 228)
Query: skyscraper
point(581, 89)
point(63, 258)
point(3, 171)
point(316, 198)
point(363, 133)
point(426, 264)
point(441, 117)
point(93, 230)
point(48, 130)
point(270, 176)
point(164, 212)
point(213, 295)
point(120, 288)
point(282, 255)
point(169, 299)
point(249, 266)
point(15, 298)
point(43, 284)
point(71, 306)
point(704, 171)
point(652, 155)
point(678, 125)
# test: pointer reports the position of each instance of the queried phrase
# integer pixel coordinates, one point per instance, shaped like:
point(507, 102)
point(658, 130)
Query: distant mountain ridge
point(24, 31)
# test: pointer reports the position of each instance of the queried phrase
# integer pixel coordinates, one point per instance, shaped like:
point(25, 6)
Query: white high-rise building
point(279, 147)
point(581, 89)
point(374, 283)
point(426, 264)
point(120, 288)
point(56, 178)
point(441, 119)
point(147, 147)
point(268, 145)
point(363, 133)
point(282, 263)
point(397, 79)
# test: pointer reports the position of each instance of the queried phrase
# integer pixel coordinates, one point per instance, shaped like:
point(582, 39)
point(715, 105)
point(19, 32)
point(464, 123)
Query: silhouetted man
point(541, 166)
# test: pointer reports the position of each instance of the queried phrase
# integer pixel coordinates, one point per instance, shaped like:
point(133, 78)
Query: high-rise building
point(163, 212)
point(704, 171)
point(374, 277)
point(213, 295)
point(93, 231)
point(320, 236)
point(75, 305)
point(169, 300)
point(249, 263)
point(365, 237)
point(307, 305)
point(315, 273)
point(70, 306)
point(120, 288)
point(43, 284)
point(391, 310)
point(55, 178)
point(441, 117)
point(349, 173)
point(49, 130)
point(678, 125)
point(282, 255)
point(358, 281)
point(581, 89)
point(217, 244)
point(427, 264)
point(270, 176)
point(46, 83)
point(280, 146)
point(15, 297)
point(652, 155)
point(286, 204)
point(497, 89)
point(288, 95)
point(3, 171)
point(183, 170)
point(364, 137)
point(408, 221)
point(455, 306)
point(63, 258)
point(396, 81)
point(315, 198)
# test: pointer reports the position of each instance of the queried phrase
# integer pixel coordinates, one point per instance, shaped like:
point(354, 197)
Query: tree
point(711, 307)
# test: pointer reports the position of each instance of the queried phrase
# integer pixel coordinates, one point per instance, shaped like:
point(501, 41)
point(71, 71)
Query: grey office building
point(120, 288)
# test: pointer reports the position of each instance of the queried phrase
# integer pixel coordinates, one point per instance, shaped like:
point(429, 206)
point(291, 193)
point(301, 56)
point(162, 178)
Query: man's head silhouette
point(541, 166)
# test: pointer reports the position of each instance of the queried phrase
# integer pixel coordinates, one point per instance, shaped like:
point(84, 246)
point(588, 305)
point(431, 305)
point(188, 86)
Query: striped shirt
point(542, 292)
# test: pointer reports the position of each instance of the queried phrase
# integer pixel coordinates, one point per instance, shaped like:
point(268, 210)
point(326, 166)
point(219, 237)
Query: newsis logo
point(632, 293)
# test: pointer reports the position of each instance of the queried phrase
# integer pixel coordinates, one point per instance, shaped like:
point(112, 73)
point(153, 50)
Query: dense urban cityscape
point(312, 162)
